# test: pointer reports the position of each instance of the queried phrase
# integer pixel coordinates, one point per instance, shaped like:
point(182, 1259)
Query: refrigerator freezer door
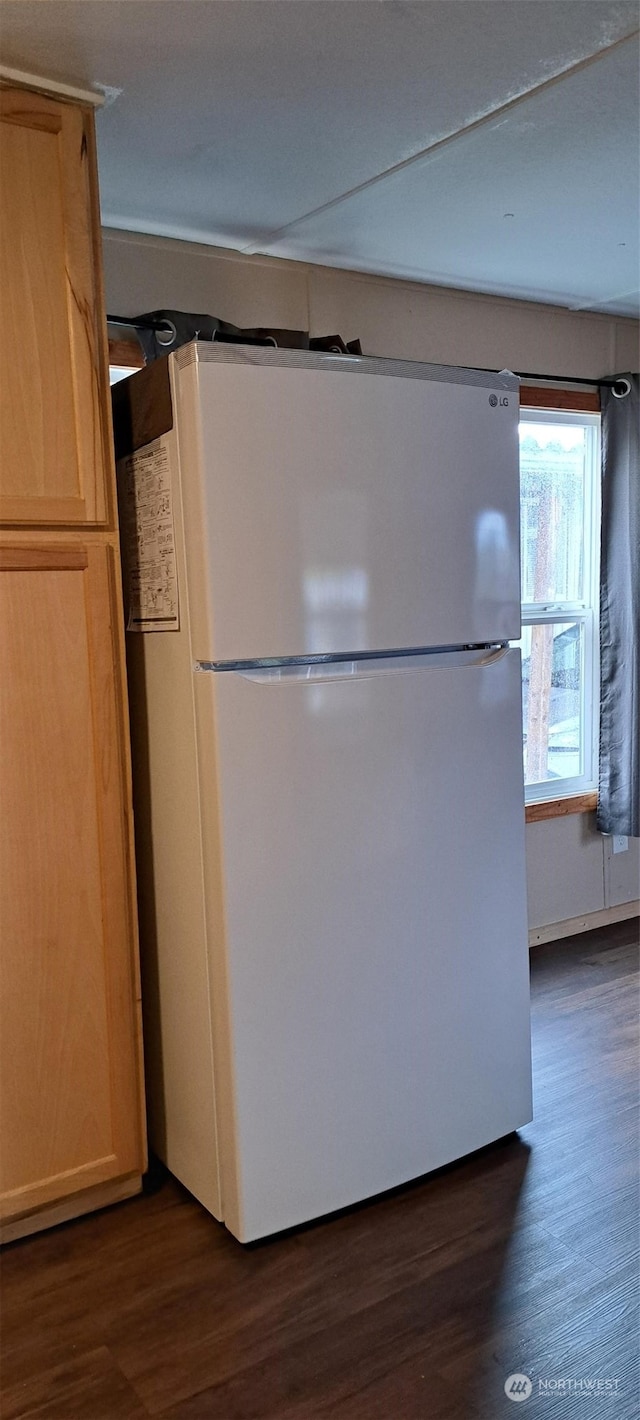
point(375, 967)
point(347, 511)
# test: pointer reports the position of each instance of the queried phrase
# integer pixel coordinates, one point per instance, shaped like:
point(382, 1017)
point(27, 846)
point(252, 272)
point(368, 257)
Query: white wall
point(571, 871)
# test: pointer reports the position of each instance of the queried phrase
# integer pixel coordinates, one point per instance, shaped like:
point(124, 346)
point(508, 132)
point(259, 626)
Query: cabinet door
point(69, 1003)
point(54, 445)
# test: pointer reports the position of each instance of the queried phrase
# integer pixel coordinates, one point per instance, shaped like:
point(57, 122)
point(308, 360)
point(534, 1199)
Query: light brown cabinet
point(52, 377)
point(71, 1107)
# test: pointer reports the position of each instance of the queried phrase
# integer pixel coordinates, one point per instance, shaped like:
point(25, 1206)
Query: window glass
point(552, 700)
point(119, 372)
point(552, 492)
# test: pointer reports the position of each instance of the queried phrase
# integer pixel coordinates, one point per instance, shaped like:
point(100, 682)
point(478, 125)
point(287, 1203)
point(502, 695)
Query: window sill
point(557, 808)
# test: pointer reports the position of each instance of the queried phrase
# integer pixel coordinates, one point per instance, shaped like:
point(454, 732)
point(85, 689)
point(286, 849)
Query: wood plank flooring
point(416, 1306)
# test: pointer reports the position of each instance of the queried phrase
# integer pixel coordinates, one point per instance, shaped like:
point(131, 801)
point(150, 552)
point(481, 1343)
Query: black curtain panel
point(160, 332)
point(619, 789)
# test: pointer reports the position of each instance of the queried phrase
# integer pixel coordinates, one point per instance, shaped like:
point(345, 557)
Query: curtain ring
point(621, 387)
point(167, 333)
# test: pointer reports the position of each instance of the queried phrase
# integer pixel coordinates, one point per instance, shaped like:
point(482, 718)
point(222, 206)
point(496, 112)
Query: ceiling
point(489, 146)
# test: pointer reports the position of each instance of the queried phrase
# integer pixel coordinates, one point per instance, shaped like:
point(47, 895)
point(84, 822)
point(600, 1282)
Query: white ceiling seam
point(432, 149)
point(613, 297)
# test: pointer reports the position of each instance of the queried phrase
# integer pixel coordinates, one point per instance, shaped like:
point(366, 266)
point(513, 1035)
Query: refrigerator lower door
point(370, 966)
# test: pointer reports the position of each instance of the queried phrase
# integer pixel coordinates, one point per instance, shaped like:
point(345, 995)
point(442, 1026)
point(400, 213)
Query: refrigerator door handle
point(489, 658)
point(319, 672)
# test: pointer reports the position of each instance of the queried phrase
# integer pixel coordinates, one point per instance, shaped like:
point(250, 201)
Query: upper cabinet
point(55, 447)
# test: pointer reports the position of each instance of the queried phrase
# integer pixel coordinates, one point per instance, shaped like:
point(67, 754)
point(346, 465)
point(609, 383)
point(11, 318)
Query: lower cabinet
point(70, 1052)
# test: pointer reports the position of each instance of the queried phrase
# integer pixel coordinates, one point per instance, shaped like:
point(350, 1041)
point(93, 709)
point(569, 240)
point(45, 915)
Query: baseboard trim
point(555, 930)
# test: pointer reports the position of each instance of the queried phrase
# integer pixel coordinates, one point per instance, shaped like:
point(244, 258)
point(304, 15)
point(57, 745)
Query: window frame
point(578, 794)
point(125, 354)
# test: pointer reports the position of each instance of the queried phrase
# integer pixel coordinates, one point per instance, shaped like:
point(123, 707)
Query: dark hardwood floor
point(417, 1306)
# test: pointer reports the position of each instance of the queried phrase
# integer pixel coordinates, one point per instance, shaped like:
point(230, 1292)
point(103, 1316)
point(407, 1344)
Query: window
point(559, 535)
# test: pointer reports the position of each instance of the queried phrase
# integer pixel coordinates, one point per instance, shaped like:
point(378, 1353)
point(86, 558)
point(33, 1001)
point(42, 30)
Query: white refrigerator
point(322, 579)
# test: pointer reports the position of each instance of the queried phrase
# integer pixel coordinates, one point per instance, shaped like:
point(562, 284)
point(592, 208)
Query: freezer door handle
point(319, 672)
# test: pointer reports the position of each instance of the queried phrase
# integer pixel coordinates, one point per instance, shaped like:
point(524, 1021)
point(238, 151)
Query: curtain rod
point(139, 324)
point(566, 379)
point(619, 385)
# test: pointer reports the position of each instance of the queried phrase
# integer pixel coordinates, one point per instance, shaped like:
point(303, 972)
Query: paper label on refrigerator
point(149, 539)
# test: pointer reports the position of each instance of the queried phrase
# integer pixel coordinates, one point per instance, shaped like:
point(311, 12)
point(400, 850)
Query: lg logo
point(493, 400)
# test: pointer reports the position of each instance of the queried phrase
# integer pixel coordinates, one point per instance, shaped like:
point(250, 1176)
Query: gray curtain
point(619, 790)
